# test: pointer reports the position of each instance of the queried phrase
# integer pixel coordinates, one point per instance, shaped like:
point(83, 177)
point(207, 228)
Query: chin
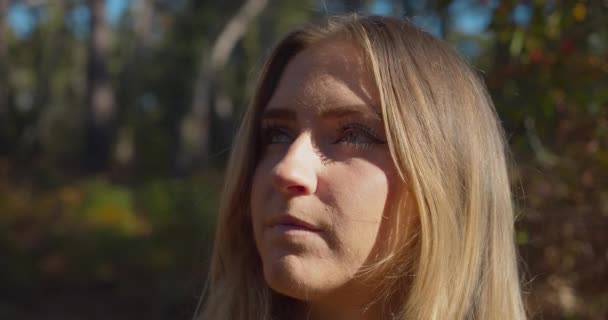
point(293, 276)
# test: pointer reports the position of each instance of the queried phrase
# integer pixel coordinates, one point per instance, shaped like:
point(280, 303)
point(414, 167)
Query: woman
point(368, 181)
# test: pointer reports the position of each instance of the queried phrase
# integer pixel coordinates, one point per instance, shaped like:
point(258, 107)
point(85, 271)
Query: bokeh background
point(116, 119)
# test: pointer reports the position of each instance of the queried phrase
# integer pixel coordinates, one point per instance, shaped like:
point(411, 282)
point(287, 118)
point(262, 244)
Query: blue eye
point(358, 136)
point(351, 135)
point(275, 135)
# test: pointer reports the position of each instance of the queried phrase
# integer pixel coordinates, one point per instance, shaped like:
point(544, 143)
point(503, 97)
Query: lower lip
point(291, 228)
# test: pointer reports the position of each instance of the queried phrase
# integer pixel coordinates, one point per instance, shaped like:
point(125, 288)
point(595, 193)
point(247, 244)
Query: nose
point(296, 172)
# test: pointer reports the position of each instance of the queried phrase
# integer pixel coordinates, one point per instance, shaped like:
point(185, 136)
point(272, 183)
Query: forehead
point(331, 73)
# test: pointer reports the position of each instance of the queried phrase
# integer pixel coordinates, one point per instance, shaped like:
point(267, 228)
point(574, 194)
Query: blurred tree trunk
point(442, 9)
point(53, 47)
point(131, 86)
point(49, 36)
point(4, 80)
point(143, 19)
point(353, 5)
point(5, 143)
point(144, 11)
point(99, 94)
point(51, 50)
point(195, 128)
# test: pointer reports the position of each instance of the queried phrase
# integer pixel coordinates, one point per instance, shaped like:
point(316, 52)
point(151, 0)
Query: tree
point(100, 95)
point(131, 82)
point(3, 58)
point(4, 79)
point(196, 125)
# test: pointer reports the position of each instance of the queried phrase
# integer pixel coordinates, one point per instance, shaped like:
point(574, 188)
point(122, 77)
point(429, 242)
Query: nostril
point(296, 189)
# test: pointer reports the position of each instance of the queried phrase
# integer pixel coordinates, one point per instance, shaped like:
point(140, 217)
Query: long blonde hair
point(449, 148)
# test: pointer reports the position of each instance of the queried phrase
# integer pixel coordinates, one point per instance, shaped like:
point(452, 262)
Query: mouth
point(287, 223)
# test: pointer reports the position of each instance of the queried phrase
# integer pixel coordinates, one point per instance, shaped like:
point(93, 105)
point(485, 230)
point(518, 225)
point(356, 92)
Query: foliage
point(92, 232)
point(549, 78)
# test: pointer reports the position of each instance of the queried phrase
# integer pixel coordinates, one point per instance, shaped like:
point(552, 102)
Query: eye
point(273, 134)
point(358, 135)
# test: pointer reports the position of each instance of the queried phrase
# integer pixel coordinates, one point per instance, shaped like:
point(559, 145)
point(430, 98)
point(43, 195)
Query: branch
point(195, 126)
point(220, 52)
point(234, 30)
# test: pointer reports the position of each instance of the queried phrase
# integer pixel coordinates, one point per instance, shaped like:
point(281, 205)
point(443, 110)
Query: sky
point(23, 19)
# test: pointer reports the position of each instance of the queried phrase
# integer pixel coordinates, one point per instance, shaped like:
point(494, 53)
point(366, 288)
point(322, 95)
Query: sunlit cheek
point(359, 195)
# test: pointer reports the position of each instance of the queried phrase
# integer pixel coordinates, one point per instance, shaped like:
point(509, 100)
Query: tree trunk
point(4, 85)
point(131, 86)
point(442, 9)
point(52, 48)
point(100, 95)
point(6, 143)
point(195, 128)
point(353, 6)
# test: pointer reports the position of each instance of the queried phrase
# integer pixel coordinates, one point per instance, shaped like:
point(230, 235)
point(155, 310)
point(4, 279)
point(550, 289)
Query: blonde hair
point(449, 148)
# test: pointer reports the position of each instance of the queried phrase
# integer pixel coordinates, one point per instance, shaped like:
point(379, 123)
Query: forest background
point(116, 119)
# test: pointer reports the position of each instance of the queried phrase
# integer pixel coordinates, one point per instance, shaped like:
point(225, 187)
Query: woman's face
point(325, 178)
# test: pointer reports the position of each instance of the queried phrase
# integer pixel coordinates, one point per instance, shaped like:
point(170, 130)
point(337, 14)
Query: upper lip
point(292, 220)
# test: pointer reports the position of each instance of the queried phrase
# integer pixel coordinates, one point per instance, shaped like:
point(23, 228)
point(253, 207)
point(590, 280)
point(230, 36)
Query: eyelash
point(358, 128)
point(269, 129)
point(346, 130)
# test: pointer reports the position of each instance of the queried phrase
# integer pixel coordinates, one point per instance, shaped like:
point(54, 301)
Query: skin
point(324, 161)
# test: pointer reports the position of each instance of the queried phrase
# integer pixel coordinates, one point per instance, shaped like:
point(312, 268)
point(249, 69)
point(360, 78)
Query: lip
point(285, 223)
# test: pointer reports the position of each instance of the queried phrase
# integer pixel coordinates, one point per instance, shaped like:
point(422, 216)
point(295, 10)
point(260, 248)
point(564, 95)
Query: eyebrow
point(285, 113)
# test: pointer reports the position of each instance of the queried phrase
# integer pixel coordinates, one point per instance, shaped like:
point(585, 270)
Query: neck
point(341, 313)
point(348, 303)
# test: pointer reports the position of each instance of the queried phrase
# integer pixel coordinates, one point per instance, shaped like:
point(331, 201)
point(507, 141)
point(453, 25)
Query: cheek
point(360, 190)
point(258, 198)
point(260, 184)
point(360, 194)
point(256, 193)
